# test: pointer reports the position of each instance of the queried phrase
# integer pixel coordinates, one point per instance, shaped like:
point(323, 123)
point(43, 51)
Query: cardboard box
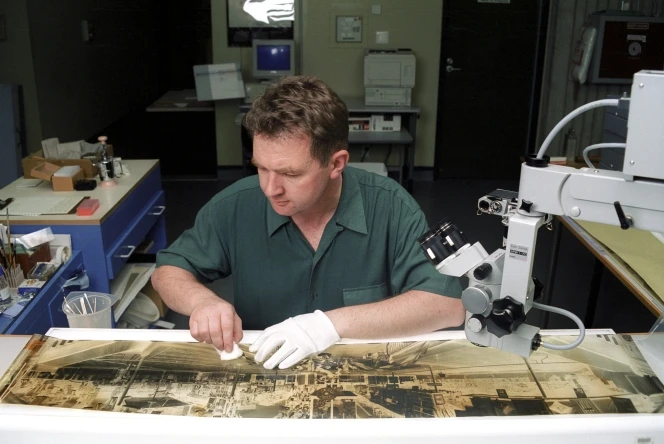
point(89, 168)
point(45, 171)
point(67, 183)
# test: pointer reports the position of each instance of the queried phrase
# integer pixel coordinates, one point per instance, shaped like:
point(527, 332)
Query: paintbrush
point(3, 251)
point(3, 261)
point(70, 307)
point(10, 259)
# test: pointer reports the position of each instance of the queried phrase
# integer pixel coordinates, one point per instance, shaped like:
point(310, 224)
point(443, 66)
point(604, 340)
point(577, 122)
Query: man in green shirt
point(317, 250)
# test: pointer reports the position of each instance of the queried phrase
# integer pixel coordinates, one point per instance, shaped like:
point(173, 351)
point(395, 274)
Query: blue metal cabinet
point(103, 247)
point(108, 245)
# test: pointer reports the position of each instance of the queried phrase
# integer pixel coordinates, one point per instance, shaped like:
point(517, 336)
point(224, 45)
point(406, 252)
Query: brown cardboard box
point(66, 183)
point(45, 171)
point(89, 168)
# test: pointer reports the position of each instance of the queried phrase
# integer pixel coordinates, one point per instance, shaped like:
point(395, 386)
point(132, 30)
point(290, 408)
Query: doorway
point(491, 61)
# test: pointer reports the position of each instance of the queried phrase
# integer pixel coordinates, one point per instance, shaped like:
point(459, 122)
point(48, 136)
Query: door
point(491, 60)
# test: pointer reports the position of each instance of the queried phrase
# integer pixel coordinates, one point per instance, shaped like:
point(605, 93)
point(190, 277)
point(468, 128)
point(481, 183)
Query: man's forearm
point(180, 289)
point(414, 312)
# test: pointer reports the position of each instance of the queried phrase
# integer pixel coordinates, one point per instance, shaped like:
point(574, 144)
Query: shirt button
point(314, 295)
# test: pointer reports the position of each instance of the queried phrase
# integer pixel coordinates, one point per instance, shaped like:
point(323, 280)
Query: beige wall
point(341, 65)
point(16, 63)
point(414, 25)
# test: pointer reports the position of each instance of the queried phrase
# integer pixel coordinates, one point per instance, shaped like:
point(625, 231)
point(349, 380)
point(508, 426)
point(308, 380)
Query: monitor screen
point(273, 57)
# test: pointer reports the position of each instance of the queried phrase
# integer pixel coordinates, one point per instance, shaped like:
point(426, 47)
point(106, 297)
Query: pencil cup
point(86, 309)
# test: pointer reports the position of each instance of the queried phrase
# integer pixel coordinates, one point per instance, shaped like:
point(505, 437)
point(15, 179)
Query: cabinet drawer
point(134, 234)
point(115, 226)
point(39, 315)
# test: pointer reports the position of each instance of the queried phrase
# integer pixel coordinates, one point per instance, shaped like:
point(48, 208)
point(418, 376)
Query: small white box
point(359, 123)
point(218, 82)
point(386, 122)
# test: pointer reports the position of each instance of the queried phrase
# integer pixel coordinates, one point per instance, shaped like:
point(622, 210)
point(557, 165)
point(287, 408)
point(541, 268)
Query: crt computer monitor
point(273, 58)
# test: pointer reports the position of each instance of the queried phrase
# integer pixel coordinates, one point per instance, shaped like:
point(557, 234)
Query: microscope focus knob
point(482, 271)
point(475, 323)
point(476, 299)
point(525, 205)
point(506, 316)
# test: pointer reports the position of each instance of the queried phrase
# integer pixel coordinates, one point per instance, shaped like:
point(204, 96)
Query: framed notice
point(259, 19)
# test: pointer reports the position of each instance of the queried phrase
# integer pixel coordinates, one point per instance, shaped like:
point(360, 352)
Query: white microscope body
point(501, 289)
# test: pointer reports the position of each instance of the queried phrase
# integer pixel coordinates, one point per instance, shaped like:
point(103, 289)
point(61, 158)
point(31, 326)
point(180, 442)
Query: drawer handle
point(161, 211)
point(131, 251)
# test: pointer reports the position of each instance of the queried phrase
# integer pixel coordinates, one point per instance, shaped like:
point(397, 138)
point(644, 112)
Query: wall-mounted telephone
point(583, 54)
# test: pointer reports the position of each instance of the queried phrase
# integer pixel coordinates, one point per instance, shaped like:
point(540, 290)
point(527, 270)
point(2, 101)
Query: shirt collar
point(349, 214)
point(274, 220)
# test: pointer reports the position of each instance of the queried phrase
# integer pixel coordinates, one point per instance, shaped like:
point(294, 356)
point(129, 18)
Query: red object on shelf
point(87, 207)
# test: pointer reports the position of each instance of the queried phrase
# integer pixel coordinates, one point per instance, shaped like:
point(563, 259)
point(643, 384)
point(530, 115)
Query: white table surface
point(109, 198)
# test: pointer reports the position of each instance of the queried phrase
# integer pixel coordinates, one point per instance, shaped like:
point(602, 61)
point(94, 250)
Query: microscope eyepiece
point(442, 241)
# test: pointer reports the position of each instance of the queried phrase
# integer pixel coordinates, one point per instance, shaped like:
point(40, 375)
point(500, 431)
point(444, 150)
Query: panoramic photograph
point(453, 378)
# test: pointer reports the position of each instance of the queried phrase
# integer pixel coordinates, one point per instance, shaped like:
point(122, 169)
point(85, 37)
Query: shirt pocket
point(365, 295)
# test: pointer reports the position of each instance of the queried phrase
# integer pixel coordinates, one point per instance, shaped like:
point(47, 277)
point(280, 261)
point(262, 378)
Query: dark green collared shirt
point(368, 251)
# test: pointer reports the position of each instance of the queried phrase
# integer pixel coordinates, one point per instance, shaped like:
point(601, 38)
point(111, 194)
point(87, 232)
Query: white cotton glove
point(297, 338)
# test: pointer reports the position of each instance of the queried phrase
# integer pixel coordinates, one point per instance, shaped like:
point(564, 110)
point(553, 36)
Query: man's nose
point(273, 185)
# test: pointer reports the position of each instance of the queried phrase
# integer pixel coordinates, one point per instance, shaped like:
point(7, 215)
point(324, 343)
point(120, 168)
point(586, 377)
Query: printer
point(389, 77)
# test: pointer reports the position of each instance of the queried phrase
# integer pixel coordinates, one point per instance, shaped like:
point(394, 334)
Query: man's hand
point(297, 338)
point(215, 322)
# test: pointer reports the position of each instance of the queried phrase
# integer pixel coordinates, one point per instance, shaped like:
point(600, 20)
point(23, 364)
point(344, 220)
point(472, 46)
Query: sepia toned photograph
point(453, 378)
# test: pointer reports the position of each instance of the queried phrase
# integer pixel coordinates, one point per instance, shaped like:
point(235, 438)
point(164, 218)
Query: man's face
point(292, 180)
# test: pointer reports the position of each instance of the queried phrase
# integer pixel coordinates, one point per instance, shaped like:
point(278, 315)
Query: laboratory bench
point(130, 214)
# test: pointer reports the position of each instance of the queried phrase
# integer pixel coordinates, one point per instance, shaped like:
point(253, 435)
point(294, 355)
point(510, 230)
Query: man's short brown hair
point(301, 105)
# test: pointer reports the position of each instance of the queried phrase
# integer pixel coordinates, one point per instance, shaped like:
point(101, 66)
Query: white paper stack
point(67, 171)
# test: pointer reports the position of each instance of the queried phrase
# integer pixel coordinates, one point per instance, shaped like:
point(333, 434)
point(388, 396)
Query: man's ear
point(338, 162)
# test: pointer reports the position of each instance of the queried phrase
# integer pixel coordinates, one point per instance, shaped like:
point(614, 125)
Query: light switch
point(382, 37)
point(375, 9)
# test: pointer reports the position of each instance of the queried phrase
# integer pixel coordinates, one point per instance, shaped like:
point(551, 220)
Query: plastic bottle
point(570, 147)
point(4, 287)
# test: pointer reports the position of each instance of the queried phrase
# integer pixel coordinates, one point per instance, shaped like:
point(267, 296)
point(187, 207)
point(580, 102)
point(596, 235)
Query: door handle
point(450, 68)
point(160, 212)
point(131, 251)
